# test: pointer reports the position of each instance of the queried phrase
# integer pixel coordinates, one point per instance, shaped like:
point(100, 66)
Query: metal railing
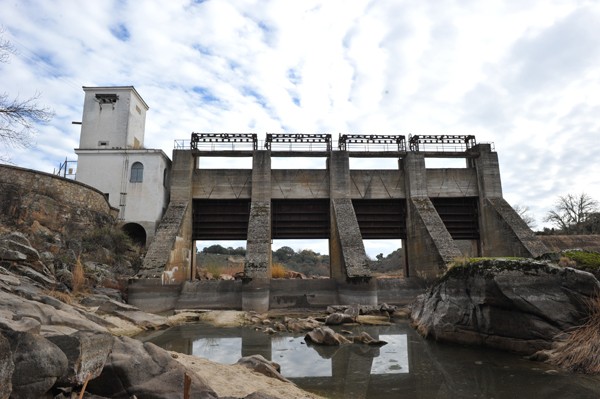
point(298, 142)
point(441, 143)
point(324, 143)
point(371, 142)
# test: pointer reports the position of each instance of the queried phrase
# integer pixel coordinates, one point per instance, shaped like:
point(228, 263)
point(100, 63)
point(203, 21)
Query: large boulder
point(38, 364)
point(86, 353)
point(146, 371)
point(516, 305)
point(7, 367)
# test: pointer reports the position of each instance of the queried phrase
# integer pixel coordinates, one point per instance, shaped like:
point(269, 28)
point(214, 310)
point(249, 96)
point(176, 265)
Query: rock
point(325, 336)
point(86, 353)
point(46, 314)
point(374, 320)
point(27, 271)
point(263, 366)
point(17, 237)
point(364, 338)
point(7, 367)
point(299, 325)
point(12, 255)
point(23, 324)
point(507, 304)
point(38, 364)
point(22, 247)
point(336, 319)
point(146, 371)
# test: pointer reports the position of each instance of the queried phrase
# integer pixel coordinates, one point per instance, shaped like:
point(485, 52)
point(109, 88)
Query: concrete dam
point(440, 214)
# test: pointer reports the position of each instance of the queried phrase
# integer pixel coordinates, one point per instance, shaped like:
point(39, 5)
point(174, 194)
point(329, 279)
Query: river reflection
point(407, 367)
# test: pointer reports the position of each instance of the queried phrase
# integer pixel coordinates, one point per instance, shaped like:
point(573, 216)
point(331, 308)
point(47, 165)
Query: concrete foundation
point(151, 296)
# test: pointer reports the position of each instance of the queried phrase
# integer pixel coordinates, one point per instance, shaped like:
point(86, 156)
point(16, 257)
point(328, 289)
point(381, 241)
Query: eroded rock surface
point(516, 305)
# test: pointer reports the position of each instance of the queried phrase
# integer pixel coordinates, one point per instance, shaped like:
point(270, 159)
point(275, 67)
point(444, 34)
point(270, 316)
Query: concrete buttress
point(348, 259)
point(257, 267)
point(430, 246)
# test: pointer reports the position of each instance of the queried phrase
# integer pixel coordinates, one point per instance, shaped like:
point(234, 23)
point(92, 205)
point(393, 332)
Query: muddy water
point(407, 367)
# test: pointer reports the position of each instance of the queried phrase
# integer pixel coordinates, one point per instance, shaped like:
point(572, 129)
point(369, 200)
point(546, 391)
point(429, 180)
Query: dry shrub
point(580, 352)
point(565, 261)
point(278, 271)
point(78, 277)
point(61, 296)
point(232, 270)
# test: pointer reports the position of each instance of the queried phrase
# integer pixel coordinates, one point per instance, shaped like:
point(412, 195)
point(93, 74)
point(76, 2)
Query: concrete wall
point(171, 250)
point(503, 232)
point(150, 295)
point(121, 124)
point(452, 183)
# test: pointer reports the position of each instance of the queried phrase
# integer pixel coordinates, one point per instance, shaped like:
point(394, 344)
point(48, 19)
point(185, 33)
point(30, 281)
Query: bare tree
point(524, 213)
point(571, 212)
point(18, 118)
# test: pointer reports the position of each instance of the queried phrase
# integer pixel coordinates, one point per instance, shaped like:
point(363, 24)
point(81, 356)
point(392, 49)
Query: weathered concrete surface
point(519, 306)
point(151, 296)
point(352, 257)
point(222, 183)
point(211, 294)
point(160, 252)
point(257, 266)
point(429, 244)
point(506, 234)
point(430, 247)
point(452, 183)
point(377, 184)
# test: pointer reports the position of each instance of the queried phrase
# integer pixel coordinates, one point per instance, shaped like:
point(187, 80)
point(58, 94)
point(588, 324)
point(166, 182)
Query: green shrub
point(584, 259)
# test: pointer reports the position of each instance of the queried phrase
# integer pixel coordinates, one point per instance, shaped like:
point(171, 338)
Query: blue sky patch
point(121, 32)
point(205, 94)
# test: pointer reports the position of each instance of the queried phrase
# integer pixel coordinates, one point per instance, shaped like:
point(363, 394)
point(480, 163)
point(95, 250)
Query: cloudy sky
point(523, 75)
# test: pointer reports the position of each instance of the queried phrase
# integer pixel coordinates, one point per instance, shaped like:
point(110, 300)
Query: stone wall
point(56, 203)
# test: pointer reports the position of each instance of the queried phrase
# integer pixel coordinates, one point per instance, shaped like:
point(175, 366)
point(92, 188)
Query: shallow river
point(407, 367)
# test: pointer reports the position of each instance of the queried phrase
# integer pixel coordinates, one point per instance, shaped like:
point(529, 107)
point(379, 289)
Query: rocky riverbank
point(523, 305)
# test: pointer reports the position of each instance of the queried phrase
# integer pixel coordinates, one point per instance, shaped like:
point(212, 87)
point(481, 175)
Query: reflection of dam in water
point(408, 367)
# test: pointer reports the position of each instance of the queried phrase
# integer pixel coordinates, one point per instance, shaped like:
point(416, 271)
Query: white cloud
point(523, 75)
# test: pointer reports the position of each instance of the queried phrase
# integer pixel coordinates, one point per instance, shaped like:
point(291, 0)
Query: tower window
point(137, 172)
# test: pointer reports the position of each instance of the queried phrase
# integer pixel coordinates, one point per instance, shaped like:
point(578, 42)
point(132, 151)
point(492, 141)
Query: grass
point(580, 352)
point(278, 271)
point(584, 259)
point(78, 283)
point(61, 296)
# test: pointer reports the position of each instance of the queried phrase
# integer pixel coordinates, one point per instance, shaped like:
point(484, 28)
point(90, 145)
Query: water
point(407, 367)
